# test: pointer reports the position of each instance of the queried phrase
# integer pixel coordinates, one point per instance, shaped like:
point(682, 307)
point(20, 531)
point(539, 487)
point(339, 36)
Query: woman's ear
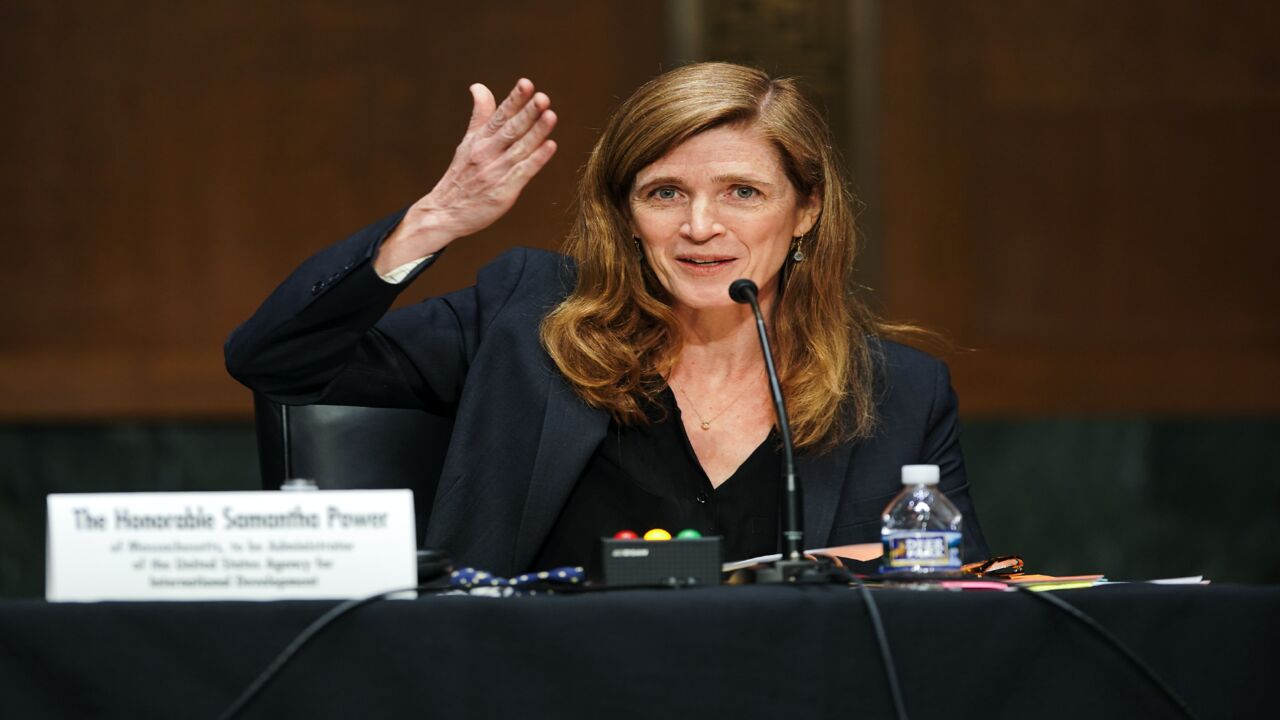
point(808, 216)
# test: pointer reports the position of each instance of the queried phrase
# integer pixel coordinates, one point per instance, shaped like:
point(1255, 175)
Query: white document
point(860, 551)
point(229, 545)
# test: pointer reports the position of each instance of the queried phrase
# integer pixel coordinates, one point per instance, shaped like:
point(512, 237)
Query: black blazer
point(521, 436)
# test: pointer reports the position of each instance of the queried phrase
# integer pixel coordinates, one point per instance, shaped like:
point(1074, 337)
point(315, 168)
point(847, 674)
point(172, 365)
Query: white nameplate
point(229, 545)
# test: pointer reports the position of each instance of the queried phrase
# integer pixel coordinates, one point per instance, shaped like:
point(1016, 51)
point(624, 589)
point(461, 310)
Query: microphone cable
point(348, 606)
point(873, 613)
point(882, 641)
point(301, 639)
point(1115, 643)
point(891, 674)
point(825, 571)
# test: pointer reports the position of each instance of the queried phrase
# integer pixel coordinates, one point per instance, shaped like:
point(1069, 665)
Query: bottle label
point(905, 550)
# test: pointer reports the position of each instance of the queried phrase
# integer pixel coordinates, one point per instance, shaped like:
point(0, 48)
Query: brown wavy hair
point(615, 336)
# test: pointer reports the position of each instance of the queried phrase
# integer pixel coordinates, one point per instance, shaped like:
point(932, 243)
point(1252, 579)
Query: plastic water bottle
point(921, 528)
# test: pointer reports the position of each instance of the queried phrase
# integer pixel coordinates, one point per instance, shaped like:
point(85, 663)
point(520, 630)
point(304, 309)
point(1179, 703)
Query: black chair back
point(348, 447)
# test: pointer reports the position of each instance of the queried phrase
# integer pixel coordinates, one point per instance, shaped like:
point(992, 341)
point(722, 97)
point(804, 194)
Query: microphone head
point(742, 290)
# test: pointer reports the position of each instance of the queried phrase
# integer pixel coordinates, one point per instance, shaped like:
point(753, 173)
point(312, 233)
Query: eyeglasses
point(998, 565)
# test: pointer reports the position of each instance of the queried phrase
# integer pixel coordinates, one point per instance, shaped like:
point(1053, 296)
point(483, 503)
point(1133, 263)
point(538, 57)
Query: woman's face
point(717, 208)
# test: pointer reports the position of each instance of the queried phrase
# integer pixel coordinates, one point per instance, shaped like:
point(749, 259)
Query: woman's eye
point(744, 192)
point(665, 193)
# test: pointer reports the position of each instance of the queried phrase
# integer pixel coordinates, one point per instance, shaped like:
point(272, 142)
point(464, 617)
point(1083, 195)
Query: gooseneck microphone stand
point(793, 563)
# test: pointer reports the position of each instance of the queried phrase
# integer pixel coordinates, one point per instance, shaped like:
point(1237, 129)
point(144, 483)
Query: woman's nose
point(701, 225)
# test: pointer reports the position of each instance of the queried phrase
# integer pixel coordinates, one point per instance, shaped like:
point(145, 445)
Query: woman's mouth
point(704, 264)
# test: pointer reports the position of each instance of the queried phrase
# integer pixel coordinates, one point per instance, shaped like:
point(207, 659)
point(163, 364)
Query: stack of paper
point(1056, 582)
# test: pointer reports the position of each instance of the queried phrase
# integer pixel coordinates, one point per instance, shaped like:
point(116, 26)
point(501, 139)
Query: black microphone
point(745, 291)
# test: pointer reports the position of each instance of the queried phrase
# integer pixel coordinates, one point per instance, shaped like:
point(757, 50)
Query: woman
point(621, 387)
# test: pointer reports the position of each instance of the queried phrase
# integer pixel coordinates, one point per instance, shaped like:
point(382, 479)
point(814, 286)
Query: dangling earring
point(797, 254)
point(639, 250)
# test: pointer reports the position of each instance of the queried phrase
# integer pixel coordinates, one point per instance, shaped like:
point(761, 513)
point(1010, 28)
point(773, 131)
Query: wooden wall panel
point(166, 164)
point(1079, 191)
point(1082, 193)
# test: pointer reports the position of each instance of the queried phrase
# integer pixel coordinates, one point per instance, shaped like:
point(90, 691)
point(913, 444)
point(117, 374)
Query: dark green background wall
point(1136, 498)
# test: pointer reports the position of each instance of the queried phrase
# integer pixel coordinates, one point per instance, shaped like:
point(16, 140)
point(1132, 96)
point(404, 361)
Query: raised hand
point(504, 147)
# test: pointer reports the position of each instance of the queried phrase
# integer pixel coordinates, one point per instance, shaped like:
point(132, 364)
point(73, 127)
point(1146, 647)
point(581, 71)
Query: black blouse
point(647, 476)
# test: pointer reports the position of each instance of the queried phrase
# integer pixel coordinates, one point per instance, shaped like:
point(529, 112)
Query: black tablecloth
point(740, 652)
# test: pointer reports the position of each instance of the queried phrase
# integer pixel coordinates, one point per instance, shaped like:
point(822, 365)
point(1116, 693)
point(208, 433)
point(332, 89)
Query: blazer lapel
point(822, 477)
point(571, 431)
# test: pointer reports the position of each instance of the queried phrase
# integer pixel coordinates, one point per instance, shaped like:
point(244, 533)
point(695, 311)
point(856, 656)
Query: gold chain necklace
point(703, 422)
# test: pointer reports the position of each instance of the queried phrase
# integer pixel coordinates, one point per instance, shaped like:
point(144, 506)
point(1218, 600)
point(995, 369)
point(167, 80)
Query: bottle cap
point(920, 474)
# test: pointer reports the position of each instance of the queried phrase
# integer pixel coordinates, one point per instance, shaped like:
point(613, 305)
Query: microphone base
point(793, 571)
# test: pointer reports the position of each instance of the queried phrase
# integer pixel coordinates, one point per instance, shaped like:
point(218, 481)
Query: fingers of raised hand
point(532, 137)
point(519, 123)
point(522, 171)
point(511, 106)
point(504, 147)
point(513, 130)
